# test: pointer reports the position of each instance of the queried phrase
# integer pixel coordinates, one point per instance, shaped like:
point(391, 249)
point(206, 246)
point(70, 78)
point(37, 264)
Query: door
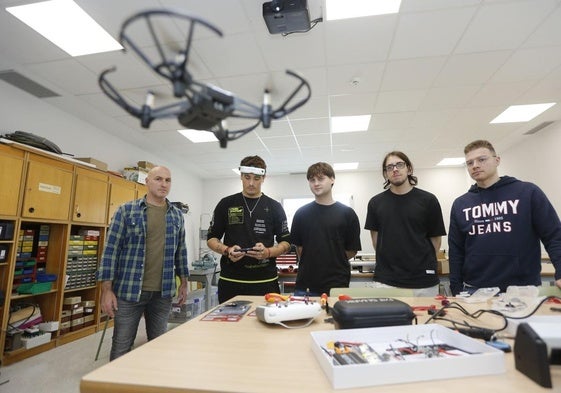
point(90, 196)
point(48, 189)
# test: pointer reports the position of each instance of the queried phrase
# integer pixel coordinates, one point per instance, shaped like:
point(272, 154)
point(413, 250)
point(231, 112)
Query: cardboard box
point(89, 320)
point(64, 327)
point(443, 266)
point(98, 164)
point(476, 358)
point(76, 324)
point(135, 174)
point(145, 165)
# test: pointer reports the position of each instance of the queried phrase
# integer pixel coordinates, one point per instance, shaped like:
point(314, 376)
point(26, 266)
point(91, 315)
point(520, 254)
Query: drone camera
point(206, 113)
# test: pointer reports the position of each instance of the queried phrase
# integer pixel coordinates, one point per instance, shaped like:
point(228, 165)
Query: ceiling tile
point(504, 25)
point(430, 34)
point(412, 74)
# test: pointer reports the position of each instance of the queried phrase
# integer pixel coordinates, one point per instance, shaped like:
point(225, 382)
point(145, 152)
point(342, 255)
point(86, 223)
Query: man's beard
point(398, 183)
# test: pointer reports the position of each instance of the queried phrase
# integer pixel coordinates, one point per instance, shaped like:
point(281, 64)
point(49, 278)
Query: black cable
point(24, 320)
point(478, 331)
point(313, 24)
point(537, 307)
point(464, 326)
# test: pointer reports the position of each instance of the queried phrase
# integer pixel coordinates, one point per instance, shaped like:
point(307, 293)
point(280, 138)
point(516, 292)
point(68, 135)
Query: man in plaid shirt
point(144, 251)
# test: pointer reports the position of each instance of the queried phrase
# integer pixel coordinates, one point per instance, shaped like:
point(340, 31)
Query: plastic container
point(35, 288)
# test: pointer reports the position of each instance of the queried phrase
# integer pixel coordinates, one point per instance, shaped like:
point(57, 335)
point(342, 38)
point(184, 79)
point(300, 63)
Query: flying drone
point(201, 106)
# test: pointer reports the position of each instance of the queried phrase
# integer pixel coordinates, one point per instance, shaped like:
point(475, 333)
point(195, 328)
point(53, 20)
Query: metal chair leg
point(102, 337)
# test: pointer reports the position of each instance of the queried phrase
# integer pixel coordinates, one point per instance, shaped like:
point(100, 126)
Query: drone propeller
point(201, 106)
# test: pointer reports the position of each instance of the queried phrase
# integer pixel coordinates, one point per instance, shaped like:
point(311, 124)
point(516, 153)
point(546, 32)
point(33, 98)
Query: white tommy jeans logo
point(490, 217)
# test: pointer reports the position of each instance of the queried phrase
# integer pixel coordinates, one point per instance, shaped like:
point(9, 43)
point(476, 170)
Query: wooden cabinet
point(50, 203)
point(90, 196)
point(121, 191)
point(48, 189)
point(11, 171)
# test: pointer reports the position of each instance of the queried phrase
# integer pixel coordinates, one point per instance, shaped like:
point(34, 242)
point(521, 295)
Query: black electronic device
point(200, 106)
point(245, 249)
point(286, 16)
point(532, 357)
point(371, 312)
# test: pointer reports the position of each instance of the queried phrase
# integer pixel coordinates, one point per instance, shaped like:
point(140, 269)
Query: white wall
point(21, 111)
point(445, 183)
point(537, 159)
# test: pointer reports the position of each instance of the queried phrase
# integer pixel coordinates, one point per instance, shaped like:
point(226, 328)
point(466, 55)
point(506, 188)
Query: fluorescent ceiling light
point(345, 166)
point(66, 25)
point(452, 161)
point(349, 123)
point(198, 136)
point(520, 113)
point(345, 9)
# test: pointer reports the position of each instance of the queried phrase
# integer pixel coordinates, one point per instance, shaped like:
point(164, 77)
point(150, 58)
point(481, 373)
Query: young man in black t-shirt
point(406, 227)
point(326, 234)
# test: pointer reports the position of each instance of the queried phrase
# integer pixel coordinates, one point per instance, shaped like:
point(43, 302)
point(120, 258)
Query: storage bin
point(42, 277)
point(35, 288)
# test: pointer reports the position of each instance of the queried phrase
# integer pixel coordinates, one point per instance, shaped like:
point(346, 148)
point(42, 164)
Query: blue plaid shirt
point(124, 252)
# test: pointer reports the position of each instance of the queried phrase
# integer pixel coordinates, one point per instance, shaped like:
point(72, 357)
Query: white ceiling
point(432, 76)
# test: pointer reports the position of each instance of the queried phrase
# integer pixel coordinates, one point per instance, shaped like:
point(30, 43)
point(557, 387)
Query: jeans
point(156, 311)
point(302, 292)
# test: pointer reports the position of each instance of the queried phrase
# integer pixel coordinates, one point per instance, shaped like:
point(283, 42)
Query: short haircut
point(254, 161)
point(410, 178)
point(480, 143)
point(320, 168)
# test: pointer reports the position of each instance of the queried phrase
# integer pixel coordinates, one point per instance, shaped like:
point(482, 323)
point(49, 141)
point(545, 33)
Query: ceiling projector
point(286, 16)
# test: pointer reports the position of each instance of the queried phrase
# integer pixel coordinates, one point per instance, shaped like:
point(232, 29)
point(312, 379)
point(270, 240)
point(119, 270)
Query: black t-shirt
point(267, 223)
point(405, 256)
point(325, 232)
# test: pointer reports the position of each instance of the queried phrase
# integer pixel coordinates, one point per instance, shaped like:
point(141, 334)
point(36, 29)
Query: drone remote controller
point(287, 311)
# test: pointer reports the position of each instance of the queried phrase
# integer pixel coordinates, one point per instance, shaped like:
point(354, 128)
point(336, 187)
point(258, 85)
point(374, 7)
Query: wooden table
point(250, 356)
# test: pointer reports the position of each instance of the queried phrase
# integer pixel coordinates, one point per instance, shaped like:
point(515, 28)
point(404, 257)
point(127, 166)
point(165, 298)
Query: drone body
point(200, 106)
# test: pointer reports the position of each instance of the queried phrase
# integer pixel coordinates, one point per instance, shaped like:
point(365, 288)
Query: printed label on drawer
point(50, 188)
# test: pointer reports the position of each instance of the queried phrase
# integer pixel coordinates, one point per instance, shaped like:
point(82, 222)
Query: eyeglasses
point(397, 165)
point(479, 160)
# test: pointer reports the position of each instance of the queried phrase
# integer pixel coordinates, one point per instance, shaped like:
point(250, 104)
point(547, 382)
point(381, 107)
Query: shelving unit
point(57, 211)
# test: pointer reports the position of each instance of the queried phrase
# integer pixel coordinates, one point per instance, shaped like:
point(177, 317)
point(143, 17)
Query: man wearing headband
point(243, 230)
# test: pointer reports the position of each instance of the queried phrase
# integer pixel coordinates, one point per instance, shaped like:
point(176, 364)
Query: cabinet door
point(11, 169)
point(90, 196)
point(121, 191)
point(48, 189)
point(141, 190)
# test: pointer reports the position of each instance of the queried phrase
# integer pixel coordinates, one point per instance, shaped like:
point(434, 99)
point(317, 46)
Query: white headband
point(252, 169)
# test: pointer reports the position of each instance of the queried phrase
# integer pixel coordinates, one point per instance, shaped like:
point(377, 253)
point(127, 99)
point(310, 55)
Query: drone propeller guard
point(200, 106)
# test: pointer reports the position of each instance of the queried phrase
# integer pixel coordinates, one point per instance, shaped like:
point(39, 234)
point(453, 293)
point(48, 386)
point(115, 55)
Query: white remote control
point(287, 311)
